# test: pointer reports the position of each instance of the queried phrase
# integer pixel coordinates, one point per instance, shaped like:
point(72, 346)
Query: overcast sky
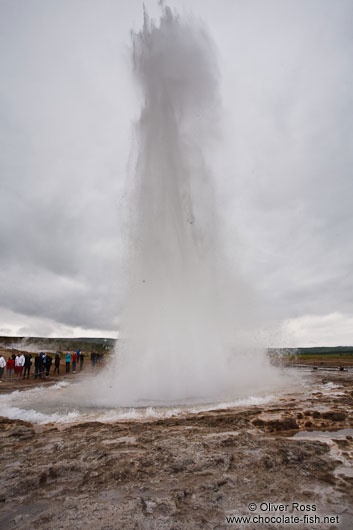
point(283, 166)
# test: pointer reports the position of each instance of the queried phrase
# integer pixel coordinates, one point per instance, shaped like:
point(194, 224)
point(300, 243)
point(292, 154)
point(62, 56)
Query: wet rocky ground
point(186, 472)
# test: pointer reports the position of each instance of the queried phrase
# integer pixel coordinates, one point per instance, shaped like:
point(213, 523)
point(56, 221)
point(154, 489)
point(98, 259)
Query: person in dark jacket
point(57, 363)
point(38, 366)
point(82, 358)
point(48, 363)
point(27, 365)
point(44, 359)
point(93, 359)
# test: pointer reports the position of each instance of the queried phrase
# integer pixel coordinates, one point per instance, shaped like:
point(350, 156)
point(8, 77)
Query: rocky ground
point(185, 472)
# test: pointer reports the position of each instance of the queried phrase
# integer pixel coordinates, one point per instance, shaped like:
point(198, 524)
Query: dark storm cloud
point(282, 171)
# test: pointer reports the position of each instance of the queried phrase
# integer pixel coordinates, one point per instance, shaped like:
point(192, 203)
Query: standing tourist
point(10, 365)
point(27, 365)
point(57, 363)
point(82, 358)
point(93, 359)
point(21, 363)
point(68, 360)
point(38, 366)
point(44, 360)
point(2, 366)
point(48, 363)
point(17, 365)
point(74, 362)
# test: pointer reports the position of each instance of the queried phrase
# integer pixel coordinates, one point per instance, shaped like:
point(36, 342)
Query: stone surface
point(178, 473)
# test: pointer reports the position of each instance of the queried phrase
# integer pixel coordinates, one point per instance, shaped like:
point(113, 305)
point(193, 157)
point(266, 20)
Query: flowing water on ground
point(66, 402)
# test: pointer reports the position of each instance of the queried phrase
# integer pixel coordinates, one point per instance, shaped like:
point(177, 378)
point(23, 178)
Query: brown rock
point(334, 415)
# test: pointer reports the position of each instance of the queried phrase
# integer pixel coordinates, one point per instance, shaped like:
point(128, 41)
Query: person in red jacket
point(74, 362)
point(10, 365)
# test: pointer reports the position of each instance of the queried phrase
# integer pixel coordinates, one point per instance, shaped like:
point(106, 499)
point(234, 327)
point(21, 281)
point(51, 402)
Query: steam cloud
point(187, 331)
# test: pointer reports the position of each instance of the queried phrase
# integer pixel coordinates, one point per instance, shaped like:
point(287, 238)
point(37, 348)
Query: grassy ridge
point(106, 345)
point(59, 344)
point(324, 353)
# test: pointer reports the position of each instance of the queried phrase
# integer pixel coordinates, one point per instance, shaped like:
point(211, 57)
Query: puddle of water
point(344, 470)
point(328, 434)
point(111, 495)
point(122, 439)
point(218, 434)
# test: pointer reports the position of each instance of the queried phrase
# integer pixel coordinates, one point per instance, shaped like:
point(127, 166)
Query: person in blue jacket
point(68, 360)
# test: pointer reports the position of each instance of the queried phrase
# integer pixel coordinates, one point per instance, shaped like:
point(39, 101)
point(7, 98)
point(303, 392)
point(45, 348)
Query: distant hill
point(320, 350)
point(57, 344)
point(107, 345)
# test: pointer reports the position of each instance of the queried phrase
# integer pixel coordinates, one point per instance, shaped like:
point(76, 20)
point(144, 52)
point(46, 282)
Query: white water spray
point(187, 331)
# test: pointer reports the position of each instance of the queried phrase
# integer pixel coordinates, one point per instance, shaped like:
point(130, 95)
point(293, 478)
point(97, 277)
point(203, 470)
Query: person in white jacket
point(19, 362)
point(2, 366)
point(22, 363)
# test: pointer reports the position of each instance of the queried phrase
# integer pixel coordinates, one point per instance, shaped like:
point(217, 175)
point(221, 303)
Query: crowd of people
point(19, 365)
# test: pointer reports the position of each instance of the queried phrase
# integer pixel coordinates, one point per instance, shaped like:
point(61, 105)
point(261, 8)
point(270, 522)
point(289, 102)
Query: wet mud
point(184, 472)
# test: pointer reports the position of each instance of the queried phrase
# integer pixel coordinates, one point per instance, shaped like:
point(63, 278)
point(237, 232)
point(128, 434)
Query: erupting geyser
point(187, 330)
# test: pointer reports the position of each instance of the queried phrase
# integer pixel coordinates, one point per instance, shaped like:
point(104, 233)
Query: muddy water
point(67, 401)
